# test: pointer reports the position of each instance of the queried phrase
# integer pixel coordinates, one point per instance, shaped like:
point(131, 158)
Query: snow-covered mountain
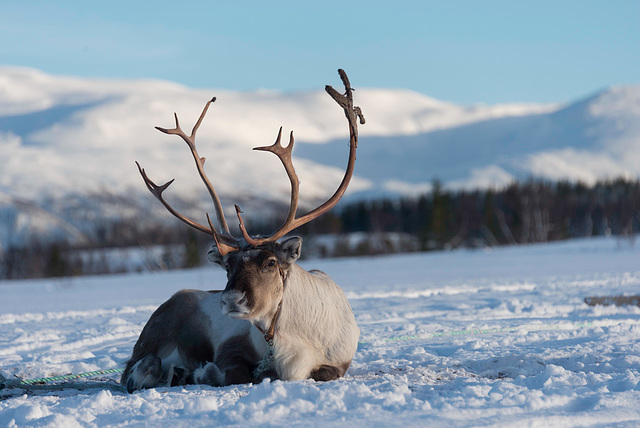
point(594, 138)
point(63, 137)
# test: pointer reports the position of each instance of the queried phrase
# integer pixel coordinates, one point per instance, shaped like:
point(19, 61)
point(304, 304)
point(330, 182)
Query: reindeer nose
point(235, 299)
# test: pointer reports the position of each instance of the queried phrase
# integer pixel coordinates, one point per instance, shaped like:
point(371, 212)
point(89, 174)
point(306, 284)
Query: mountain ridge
point(62, 136)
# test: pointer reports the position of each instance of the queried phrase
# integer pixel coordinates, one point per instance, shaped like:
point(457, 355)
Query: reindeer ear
point(290, 249)
point(214, 255)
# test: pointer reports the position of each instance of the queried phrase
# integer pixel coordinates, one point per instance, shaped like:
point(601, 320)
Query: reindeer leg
point(209, 374)
point(325, 373)
point(234, 364)
point(146, 373)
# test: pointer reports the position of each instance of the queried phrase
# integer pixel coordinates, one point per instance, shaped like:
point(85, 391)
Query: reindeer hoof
point(181, 376)
point(146, 373)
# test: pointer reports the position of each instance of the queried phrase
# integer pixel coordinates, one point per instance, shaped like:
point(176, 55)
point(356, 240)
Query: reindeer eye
point(271, 263)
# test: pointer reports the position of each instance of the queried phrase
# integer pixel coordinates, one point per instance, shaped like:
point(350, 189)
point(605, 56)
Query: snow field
point(468, 338)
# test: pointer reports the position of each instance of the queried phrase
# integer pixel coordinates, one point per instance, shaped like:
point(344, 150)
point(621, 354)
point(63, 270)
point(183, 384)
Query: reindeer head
point(256, 277)
point(257, 266)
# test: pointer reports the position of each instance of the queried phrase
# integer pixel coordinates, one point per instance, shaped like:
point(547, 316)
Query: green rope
point(531, 327)
point(67, 377)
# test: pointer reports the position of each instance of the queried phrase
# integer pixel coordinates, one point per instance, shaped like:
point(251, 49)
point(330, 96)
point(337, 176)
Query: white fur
point(224, 327)
point(316, 325)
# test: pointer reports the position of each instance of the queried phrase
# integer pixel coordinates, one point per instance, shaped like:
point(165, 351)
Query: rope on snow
point(44, 383)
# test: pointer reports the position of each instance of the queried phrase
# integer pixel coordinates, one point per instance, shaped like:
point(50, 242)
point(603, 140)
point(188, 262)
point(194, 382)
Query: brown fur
point(251, 277)
point(238, 359)
point(325, 373)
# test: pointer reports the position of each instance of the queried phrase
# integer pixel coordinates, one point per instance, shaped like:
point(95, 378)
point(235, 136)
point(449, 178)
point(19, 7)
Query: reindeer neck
point(269, 331)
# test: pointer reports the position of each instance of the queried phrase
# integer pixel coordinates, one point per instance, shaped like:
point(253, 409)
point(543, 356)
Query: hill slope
point(66, 137)
point(595, 138)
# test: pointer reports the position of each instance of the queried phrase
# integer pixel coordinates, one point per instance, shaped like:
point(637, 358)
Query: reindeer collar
point(268, 360)
point(270, 333)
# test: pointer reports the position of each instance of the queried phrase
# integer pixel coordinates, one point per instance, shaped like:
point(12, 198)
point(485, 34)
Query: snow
point(64, 134)
point(66, 139)
point(498, 337)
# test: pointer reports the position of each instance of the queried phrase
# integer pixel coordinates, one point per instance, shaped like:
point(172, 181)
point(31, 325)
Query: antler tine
point(226, 244)
point(346, 102)
point(223, 247)
point(191, 142)
point(157, 192)
point(353, 113)
point(284, 154)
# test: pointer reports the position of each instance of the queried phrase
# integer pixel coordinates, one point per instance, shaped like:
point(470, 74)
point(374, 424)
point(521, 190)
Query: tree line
point(524, 212)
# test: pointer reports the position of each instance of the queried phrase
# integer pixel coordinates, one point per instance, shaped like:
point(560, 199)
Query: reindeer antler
point(225, 241)
point(352, 113)
point(191, 142)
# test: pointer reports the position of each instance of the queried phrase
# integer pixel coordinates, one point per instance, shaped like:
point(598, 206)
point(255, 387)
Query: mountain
point(68, 146)
point(592, 139)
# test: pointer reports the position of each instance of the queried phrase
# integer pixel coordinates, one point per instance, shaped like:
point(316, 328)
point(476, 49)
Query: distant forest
point(526, 212)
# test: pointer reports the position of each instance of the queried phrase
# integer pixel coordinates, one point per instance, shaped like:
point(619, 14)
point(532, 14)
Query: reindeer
point(273, 319)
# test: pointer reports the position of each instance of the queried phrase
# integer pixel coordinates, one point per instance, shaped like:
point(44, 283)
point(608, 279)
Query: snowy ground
point(468, 338)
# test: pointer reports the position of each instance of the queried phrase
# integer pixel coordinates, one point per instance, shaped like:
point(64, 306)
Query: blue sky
point(460, 51)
